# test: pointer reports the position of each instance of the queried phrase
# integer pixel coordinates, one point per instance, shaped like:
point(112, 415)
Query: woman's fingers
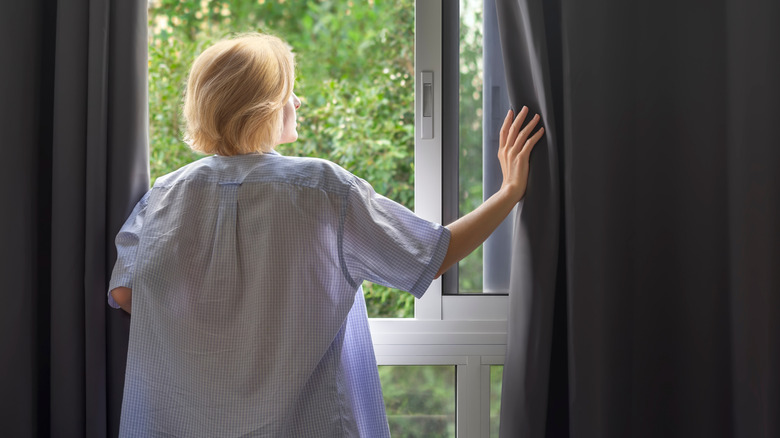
point(514, 149)
point(505, 128)
point(516, 125)
point(526, 132)
point(531, 142)
point(516, 138)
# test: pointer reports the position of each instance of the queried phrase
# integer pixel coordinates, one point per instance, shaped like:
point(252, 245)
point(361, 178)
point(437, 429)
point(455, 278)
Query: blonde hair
point(236, 94)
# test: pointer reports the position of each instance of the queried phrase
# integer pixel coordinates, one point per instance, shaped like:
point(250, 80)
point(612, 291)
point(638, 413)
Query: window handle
point(427, 104)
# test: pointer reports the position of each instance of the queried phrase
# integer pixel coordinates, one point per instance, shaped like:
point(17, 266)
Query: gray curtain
point(74, 136)
point(645, 292)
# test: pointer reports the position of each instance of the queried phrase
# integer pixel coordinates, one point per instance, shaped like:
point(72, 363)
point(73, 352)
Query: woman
point(244, 268)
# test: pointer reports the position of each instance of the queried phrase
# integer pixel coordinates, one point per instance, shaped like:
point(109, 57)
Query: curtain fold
point(535, 278)
point(664, 120)
point(75, 125)
point(753, 199)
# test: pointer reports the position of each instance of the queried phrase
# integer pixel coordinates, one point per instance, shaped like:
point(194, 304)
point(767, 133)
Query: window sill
point(419, 341)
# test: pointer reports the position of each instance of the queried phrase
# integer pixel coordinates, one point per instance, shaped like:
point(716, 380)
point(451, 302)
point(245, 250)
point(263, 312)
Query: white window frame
point(466, 331)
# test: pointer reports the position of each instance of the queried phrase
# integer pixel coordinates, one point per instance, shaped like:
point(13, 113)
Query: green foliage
point(496, 376)
point(470, 132)
point(383, 302)
point(169, 61)
point(419, 400)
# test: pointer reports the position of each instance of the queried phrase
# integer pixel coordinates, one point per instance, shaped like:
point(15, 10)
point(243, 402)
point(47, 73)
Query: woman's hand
point(514, 151)
point(124, 297)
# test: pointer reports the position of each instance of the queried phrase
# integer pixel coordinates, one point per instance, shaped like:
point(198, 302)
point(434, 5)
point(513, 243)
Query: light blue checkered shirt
point(248, 315)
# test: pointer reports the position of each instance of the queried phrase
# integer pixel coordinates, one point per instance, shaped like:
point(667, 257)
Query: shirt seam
point(342, 221)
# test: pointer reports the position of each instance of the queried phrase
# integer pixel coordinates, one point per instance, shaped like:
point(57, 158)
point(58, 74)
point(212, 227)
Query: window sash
point(436, 181)
point(467, 331)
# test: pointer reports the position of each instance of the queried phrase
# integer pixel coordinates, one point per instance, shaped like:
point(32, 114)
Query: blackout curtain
point(645, 289)
point(73, 131)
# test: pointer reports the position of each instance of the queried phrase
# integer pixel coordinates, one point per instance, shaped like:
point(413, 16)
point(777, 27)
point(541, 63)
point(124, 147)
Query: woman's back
point(248, 268)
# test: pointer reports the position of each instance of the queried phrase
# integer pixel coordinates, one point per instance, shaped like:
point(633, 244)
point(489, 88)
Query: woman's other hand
point(514, 151)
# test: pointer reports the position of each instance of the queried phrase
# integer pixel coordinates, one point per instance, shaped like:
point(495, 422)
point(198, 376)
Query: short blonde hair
point(236, 94)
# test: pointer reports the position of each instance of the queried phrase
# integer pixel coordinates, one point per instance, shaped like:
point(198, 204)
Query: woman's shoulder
point(310, 172)
point(315, 172)
point(201, 167)
point(315, 164)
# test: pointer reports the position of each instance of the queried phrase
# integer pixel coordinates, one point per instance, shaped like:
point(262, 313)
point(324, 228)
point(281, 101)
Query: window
point(473, 70)
point(360, 77)
point(453, 325)
point(457, 165)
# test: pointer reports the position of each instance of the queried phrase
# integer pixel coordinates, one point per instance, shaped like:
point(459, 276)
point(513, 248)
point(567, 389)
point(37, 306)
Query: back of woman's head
point(236, 93)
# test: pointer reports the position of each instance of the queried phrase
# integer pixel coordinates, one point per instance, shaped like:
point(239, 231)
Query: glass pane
point(470, 133)
point(496, 374)
point(420, 400)
point(355, 78)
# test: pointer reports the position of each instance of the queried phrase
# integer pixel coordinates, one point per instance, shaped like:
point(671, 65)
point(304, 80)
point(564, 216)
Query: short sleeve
point(386, 243)
point(127, 249)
